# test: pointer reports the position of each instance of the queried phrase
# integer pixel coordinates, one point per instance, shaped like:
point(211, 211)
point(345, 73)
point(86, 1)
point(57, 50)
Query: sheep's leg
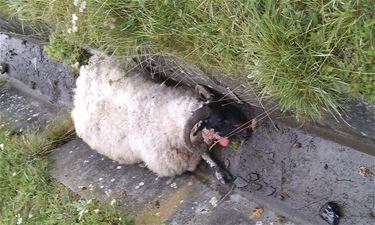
point(221, 174)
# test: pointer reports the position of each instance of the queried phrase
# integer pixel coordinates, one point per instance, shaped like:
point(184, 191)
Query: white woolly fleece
point(131, 119)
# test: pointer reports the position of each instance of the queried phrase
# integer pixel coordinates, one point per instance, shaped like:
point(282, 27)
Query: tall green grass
point(305, 54)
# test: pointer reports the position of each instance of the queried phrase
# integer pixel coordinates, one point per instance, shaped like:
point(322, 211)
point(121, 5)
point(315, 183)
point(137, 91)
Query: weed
point(61, 50)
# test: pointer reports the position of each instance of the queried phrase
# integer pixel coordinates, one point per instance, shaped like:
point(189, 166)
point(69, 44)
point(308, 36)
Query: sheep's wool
point(131, 119)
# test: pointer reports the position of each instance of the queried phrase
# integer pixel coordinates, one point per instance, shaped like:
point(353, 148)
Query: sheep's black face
point(225, 121)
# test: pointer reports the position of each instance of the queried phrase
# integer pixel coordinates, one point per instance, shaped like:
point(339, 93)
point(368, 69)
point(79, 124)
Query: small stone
point(86, 161)
point(173, 185)
point(256, 213)
point(4, 68)
point(240, 182)
point(100, 178)
point(182, 201)
point(82, 188)
point(118, 167)
point(366, 172)
point(113, 179)
point(227, 163)
point(141, 184)
point(213, 201)
point(297, 145)
point(330, 212)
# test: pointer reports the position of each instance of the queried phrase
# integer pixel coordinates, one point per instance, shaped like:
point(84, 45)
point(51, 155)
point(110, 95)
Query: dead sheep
point(131, 119)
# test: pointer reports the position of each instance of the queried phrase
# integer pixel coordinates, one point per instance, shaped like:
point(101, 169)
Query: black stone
point(4, 68)
point(330, 212)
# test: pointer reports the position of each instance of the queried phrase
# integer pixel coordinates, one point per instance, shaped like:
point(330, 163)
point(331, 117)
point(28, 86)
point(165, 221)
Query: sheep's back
point(132, 119)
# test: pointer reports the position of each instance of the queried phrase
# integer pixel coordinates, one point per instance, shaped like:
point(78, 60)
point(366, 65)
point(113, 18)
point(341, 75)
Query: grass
point(308, 55)
point(3, 81)
point(29, 196)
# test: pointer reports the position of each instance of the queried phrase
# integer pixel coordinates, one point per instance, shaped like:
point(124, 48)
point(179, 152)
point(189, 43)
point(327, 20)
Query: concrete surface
point(31, 66)
point(25, 112)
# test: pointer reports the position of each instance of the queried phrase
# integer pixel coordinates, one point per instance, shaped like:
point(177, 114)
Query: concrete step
point(21, 110)
point(188, 199)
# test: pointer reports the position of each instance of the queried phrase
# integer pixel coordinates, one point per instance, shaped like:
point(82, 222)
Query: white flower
point(1, 146)
point(113, 202)
point(82, 7)
point(74, 17)
point(76, 2)
point(74, 29)
point(14, 174)
point(96, 211)
point(18, 219)
point(69, 31)
point(75, 66)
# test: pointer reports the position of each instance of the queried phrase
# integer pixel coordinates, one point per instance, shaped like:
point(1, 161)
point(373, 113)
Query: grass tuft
point(308, 55)
point(29, 196)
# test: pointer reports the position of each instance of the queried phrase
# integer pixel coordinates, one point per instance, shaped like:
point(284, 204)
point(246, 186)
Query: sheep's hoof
point(223, 175)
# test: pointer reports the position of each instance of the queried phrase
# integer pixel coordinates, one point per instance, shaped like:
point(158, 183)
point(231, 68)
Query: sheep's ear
point(203, 92)
point(200, 114)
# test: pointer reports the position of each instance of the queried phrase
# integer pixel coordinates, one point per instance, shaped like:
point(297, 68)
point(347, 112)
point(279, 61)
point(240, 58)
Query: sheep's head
point(217, 120)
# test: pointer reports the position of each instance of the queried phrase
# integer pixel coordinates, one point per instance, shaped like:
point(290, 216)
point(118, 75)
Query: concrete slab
point(21, 111)
point(30, 65)
point(304, 172)
point(193, 198)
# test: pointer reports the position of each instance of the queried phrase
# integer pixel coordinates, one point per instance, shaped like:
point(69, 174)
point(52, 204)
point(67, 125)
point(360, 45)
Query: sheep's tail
point(199, 115)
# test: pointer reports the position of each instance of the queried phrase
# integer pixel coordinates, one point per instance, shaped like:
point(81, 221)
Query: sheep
point(131, 119)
